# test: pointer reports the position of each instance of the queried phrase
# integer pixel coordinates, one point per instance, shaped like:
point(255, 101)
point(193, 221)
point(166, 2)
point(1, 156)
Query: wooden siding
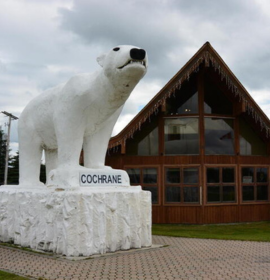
point(205, 213)
point(210, 214)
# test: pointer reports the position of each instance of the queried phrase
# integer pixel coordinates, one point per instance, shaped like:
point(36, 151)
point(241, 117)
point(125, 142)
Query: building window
point(144, 142)
point(215, 101)
point(219, 136)
point(147, 178)
point(250, 142)
point(134, 176)
point(185, 100)
point(182, 185)
point(255, 183)
point(181, 136)
point(220, 182)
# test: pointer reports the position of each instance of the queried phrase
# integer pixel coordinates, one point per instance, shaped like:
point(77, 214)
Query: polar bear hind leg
point(51, 161)
point(30, 158)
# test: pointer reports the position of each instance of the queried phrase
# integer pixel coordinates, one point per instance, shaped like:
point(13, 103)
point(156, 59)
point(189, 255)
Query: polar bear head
point(124, 65)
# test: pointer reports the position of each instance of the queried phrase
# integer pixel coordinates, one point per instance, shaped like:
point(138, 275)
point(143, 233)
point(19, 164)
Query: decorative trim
point(208, 60)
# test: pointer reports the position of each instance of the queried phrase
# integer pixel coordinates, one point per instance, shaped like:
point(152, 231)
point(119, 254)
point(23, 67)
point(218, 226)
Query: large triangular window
point(250, 142)
point(145, 141)
point(185, 99)
point(215, 101)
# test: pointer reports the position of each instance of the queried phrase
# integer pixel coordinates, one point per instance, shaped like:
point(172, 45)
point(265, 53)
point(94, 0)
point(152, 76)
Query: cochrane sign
point(101, 179)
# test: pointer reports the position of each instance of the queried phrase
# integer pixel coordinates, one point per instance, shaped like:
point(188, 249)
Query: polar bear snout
point(138, 54)
point(135, 57)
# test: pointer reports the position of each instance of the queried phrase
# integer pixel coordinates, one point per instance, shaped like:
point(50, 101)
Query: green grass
point(10, 276)
point(247, 232)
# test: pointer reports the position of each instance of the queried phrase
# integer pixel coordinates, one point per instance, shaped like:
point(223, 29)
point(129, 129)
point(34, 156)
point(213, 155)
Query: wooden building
point(201, 146)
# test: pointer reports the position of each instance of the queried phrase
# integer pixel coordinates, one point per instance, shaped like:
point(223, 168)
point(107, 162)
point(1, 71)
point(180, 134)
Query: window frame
point(181, 185)
point(192, 79)
point(157, 128)
point(222, 117)
point(181, 117)
point(141, 167)
point(255, 184)
point(257, 133)
point(221, 184)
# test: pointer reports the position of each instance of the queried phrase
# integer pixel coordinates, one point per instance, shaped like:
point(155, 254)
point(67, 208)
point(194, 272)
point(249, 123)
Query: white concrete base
point(83, 222)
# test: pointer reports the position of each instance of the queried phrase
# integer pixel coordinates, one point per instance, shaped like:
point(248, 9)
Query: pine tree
point(3, 146)
point(13, 170)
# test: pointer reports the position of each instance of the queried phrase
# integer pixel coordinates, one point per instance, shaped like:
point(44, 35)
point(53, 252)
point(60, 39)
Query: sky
point(45, 42)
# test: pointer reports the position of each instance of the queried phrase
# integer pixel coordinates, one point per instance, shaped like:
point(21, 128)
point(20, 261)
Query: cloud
point(172, 31)
point(44, 43)
point(262, 98)
point(110, 23)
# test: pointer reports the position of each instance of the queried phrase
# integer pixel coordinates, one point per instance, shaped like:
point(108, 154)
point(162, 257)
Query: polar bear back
point(40, 113)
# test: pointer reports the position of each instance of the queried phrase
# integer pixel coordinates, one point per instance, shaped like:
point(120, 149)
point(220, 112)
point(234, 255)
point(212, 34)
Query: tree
point(13, 170)
point(3, 147)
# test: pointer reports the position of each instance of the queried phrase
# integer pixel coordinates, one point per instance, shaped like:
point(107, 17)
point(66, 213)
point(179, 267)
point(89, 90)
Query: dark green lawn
point(249, 231)
point(9, 276)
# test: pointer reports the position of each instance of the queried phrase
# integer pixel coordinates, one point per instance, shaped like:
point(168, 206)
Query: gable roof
point(207, 55)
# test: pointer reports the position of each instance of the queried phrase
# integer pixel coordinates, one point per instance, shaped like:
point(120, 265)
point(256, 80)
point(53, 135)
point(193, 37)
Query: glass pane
point(212, 175)
point(247, 174)
point(181, 136)
point(262, 175)
point(262, 192)
point(248, 193)
point(190, 104)
point(219, 136)
point(191, 175)
point(250, 141)
point(149, 175)
point(154, 192)
point(191, 194)
point(213, 194)
point(185, 100)
point(173, 194)
point(228, 194)
point(172, 175)
point(134, 175)
point(145, 141)
point(215, 101)
point(228, 175)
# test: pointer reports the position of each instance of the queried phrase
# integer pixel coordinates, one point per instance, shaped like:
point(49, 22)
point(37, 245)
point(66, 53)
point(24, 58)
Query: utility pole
point(11, 117)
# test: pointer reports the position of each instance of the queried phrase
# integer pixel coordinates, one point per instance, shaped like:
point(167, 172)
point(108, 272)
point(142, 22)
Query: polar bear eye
point(116, 49)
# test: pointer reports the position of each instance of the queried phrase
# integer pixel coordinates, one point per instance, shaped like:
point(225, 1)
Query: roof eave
point(205, 54)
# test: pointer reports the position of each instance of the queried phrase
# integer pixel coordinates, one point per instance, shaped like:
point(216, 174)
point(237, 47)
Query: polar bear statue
point(79, 113)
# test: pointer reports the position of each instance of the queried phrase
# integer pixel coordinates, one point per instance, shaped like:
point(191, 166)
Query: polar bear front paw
point(64, 178)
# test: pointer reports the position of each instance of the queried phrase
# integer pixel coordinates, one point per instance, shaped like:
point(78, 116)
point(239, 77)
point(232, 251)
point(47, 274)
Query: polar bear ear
point(101, 58)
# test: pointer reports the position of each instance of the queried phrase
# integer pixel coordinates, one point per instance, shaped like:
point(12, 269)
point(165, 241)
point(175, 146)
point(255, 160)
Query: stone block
point(80, 222)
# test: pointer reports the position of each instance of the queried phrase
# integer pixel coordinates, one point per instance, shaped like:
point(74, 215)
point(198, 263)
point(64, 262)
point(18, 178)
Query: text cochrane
point(101, 179)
